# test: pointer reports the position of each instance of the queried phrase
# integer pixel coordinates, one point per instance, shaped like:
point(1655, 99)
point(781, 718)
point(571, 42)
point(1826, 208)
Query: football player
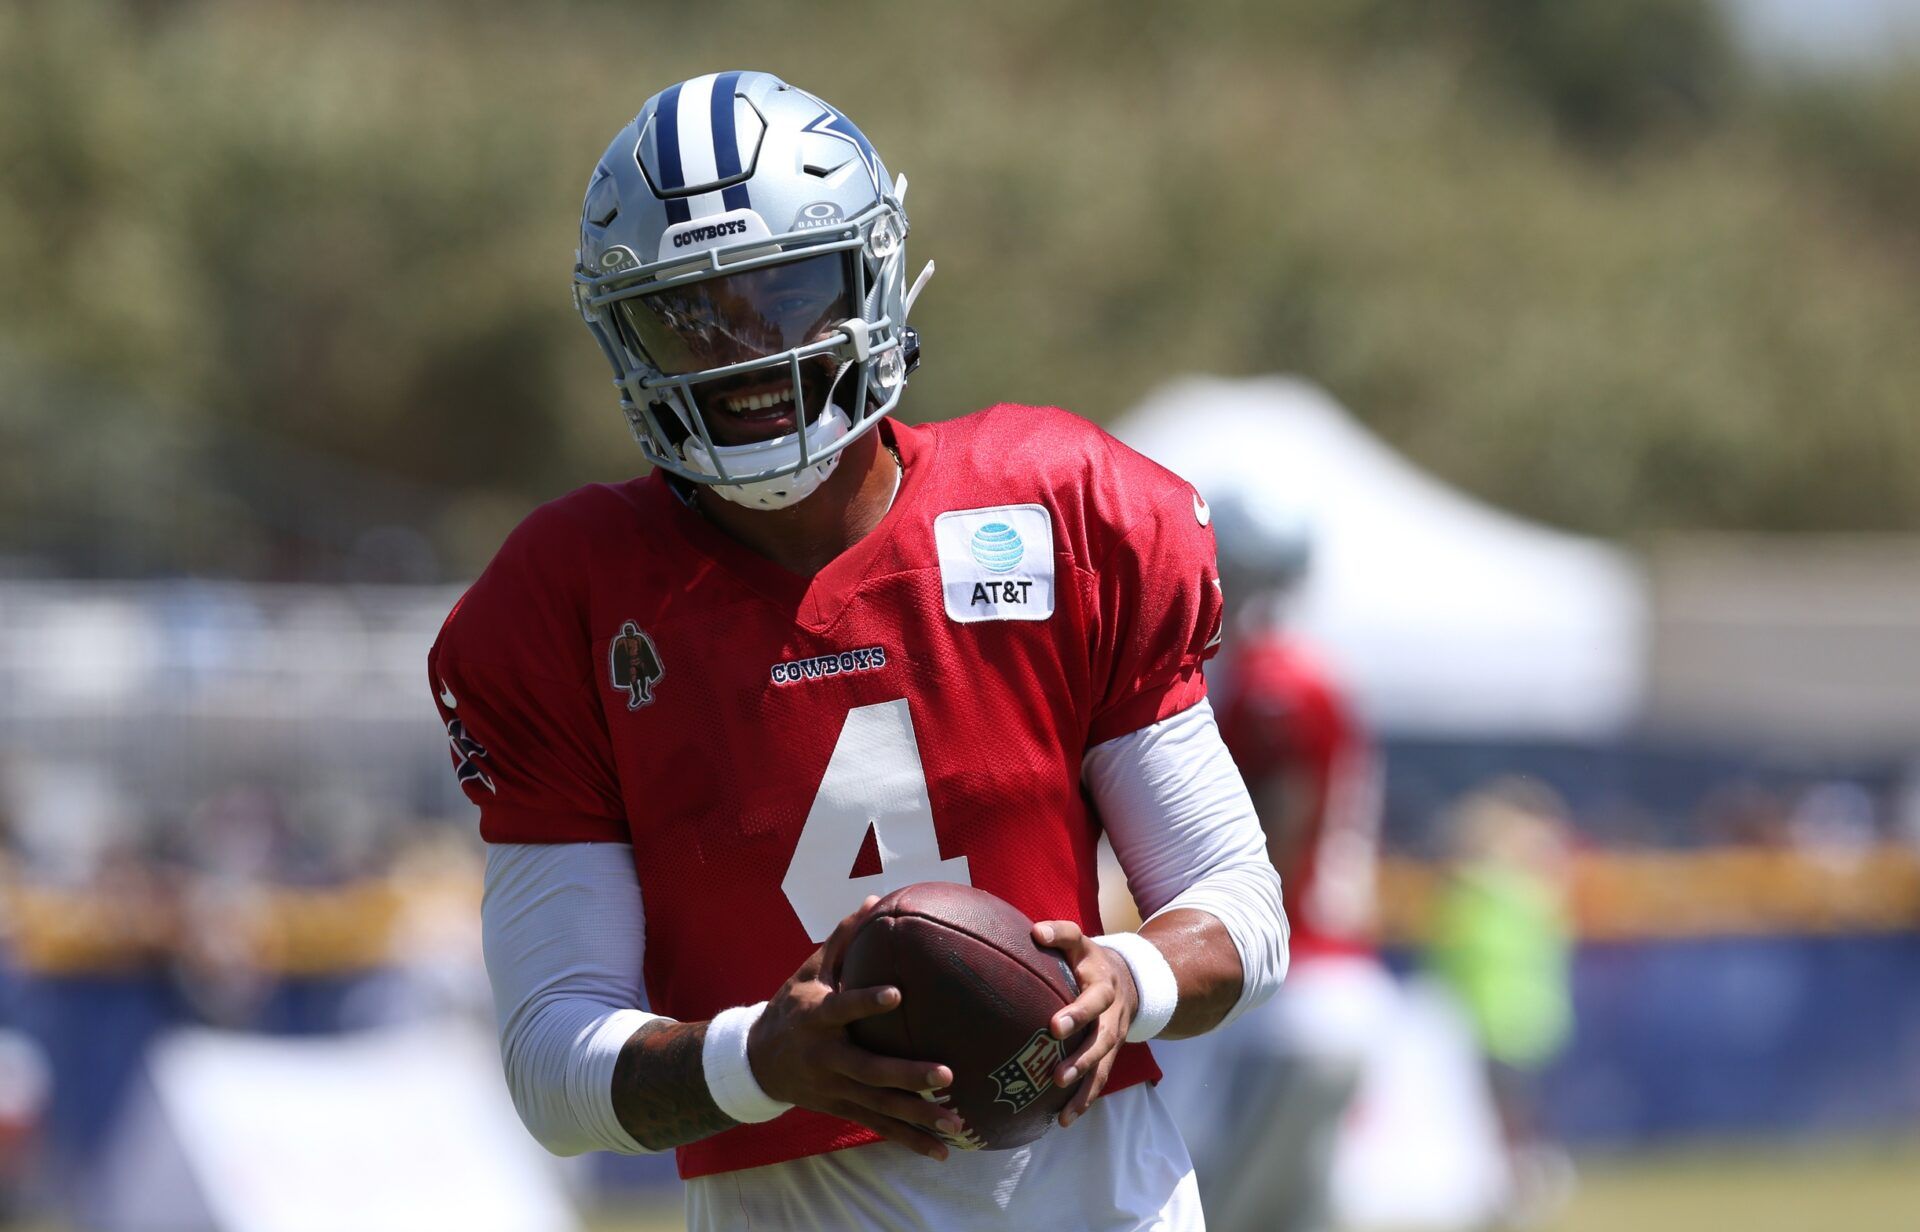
point(816, 654)
point(1262, 1104)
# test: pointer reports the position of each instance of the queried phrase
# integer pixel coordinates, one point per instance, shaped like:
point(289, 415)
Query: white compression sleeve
point(1184, 829)
point(563, 932)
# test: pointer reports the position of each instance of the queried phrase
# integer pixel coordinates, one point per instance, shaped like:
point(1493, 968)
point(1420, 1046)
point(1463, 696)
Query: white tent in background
point(1446, 616)
point(392, 1130)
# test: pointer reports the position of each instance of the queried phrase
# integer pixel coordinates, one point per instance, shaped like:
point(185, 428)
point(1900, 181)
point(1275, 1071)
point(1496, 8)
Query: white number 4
point(874, 780)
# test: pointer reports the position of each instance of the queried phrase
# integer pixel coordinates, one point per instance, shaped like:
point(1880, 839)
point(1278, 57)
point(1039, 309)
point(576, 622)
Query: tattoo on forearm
point(660, 1087)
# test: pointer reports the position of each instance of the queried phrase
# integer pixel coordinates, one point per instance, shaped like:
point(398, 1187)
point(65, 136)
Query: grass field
point(1862, 1187)
point(1859, 1187)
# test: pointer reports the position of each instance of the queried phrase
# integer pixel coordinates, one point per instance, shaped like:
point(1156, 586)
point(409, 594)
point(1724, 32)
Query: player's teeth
point(759, 402)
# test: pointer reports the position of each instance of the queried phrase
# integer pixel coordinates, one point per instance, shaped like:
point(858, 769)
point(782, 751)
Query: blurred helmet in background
point(741, 264)
point(1265, 546)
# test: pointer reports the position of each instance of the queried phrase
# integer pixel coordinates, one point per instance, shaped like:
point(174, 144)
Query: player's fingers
point(917, 1140)
point(1089, 1091)
point(918, 1111)
point(842, 934)
point(1099, 1044)
point(851, 1004)
point(1059, 935)
point(873, 1070)
point(1096, 997)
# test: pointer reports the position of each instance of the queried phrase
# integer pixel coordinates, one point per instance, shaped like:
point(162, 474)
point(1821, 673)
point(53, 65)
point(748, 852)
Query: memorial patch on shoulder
point(634, 666)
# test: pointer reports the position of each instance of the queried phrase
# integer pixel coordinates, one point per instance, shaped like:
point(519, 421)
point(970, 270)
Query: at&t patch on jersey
point(997, 563)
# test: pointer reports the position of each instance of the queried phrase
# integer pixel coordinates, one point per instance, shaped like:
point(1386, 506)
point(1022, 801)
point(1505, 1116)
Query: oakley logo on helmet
point(618, 257)
point(819, 214)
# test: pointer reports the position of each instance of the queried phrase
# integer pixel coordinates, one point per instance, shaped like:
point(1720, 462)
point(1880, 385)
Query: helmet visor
point(734, 318)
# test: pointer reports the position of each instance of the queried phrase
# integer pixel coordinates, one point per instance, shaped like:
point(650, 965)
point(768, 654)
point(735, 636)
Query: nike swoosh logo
point(1201, 513)
point(446, 697)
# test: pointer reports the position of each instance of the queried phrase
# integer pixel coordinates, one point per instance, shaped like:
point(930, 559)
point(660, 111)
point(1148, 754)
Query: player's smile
point(755, 414)
point(750, 412)
point(759, 406)
point(750, 404)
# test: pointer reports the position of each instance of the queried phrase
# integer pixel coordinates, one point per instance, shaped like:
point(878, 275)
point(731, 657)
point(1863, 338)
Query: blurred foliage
point(287, 273)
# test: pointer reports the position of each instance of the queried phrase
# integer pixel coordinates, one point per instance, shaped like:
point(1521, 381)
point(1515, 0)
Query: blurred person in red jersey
point(1295, 735)
point(1266, 1115)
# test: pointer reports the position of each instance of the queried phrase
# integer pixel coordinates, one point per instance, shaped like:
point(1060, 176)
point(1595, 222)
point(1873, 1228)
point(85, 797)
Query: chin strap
point(913, 292)
point(899, 474)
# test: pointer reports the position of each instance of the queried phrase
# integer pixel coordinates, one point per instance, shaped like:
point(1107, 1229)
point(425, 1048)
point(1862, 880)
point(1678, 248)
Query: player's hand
point(1107, 999)
point(800, 1054)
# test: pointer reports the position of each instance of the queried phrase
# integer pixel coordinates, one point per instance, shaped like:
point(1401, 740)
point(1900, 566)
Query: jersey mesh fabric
point(713, 775)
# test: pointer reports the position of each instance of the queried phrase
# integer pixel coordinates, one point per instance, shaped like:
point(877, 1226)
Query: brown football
point(976, 995)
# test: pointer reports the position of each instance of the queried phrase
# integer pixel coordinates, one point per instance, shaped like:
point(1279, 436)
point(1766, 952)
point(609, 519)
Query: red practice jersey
point(1304, 755)
point(777, 747)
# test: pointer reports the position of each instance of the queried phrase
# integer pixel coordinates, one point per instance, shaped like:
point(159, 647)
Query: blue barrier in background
point(1740, 1036)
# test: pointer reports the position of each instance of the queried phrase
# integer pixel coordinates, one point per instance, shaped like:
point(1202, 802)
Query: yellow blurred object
point(280, 930)
point(303, 931)
point(1726, 891)
point(59, 931)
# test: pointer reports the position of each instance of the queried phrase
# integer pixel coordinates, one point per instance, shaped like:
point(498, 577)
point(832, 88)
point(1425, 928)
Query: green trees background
point(286, 283)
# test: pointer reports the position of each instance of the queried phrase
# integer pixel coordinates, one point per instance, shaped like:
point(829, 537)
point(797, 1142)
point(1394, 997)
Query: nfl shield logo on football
point(1028, 1072)
point(996, 563)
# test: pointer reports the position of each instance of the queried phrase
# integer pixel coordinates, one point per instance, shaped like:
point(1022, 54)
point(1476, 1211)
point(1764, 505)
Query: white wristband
point(729, 1075)
point(1153, 977)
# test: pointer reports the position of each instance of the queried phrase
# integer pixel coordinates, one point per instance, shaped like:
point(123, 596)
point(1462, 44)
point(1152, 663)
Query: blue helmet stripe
point(666, 137)
point(726, 142)
point(666, 140)
point(726, 145)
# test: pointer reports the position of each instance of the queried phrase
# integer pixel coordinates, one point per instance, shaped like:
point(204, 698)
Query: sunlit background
point(1588, 334)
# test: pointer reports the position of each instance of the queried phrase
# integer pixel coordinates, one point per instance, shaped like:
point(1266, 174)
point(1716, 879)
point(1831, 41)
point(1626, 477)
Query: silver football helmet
point(741, 263)
point(1263, 546)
